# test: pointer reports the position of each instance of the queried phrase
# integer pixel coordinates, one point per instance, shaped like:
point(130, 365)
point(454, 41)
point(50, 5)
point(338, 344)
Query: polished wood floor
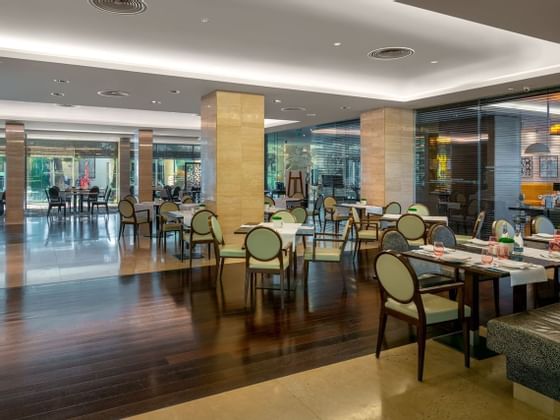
point(117, 346)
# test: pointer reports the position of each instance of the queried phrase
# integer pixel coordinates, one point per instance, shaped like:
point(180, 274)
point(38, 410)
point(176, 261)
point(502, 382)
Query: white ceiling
point(282, 49)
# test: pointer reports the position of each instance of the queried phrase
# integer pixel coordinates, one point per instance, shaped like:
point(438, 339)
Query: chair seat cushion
point(197, 237)
point(367, 235)
point(322, 254)
point(437, 308)
point(255, 264)
point(232, 251)
point(167, 227)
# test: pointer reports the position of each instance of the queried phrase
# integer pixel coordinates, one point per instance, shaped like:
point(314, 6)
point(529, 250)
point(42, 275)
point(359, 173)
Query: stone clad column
point(145, 157)
point(15, 173)
point(124, 167)
point(233, 158)
point(387, 156)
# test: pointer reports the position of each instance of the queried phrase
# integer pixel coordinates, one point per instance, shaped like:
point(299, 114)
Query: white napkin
point(532, 274)
point(476, 241)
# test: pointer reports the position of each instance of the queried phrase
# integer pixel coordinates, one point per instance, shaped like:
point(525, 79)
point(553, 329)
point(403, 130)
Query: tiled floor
point(367, 388)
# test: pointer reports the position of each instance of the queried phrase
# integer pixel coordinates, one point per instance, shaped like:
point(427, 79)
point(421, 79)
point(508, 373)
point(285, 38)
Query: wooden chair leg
point(380, 332)
point(191, 248)
point(421, 333)
point(222, 260)
point(247, 280)
point(305, 272)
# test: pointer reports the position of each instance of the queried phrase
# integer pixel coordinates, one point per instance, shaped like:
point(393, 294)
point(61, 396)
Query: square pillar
point(124, 167)
point(145, 157)
point(15, 173)
point(387, 156)
point(233, 158)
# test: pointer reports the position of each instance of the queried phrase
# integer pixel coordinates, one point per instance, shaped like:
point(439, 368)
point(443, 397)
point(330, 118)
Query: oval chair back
point(53, 194)
point(300, 214)
point(393, 240)
point(444, 234)
point(478, 224)
point(199, 222)
point(216, 230)
point(187, 199)
point(498, 228)
point(269, 200)
point(419, 209)
point(330, 204)
point(286, 216)
point(393, 208)
point(397, 279)
point(411, 226)
point(542, 224)
point(93, 192)
point(165, 208)
point(263, 244)
point(131, 199)
point(176, 192)
point(126, 210)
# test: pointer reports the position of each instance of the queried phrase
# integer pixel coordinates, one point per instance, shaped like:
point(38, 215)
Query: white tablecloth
point(184, 215)
point(427, 219)
point(287, 232)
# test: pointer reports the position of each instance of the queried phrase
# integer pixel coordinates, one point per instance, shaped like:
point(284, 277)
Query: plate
point(454, 258)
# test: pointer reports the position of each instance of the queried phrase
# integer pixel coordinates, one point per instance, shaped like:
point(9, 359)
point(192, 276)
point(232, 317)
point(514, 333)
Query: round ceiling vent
point(293, 108)
point(121, 7)
point(391, 53)
point(113, 93)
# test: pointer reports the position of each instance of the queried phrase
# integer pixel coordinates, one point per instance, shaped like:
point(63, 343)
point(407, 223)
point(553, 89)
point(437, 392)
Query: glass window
point(2, 164)
point(177, 165)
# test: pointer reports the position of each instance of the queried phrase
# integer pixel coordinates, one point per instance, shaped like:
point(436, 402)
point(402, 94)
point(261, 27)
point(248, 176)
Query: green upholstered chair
point(221, 250)
point(286, 216)
point(198, 233)
point(187, 199)
point(269, 200)
point(332, 214)
point(419, 209)
point(461, 239)
point(265, 254)
point(402, 298)
point(327, 254)
point(498, 228)
point(300, 214)
point(168, 224)
point(413, 228)
point(362, 231)
point(542, 224)
point(128, 216)
point(393, 208)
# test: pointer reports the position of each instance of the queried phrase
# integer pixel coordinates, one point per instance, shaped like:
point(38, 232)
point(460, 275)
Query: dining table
point(78, 196)
point(529, 268)
point(430, 220)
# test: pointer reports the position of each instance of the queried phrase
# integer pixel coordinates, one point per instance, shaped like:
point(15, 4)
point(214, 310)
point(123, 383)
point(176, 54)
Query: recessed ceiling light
point(311, 115)
point(434, 62)
point(277, 101)
point(57, 94)
point(175, 91)
point(120, 7)
point(61, 81)
point(391, 53)
point(156, 102)
point(113, 93)
point(345, 107)
point(510, 89)
point(204, 20)
point(293, 108)
point(337, 44)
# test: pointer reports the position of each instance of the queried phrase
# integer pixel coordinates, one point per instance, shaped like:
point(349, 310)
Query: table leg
point(472, 298)
point(520, 298)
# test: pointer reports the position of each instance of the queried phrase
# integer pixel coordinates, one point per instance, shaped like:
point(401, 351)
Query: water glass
point(556, 235)
point(487, 256)
point(503, 252)
point(439, 249)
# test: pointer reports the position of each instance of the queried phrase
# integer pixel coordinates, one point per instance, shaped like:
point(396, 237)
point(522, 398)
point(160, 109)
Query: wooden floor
point(117, 346)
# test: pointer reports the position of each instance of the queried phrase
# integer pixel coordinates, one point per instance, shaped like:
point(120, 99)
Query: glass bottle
point(518, 241)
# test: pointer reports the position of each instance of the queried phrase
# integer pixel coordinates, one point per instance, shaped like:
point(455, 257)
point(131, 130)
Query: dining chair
point(413, 228)
point(91, 197)
point(419, 209)
point(168, 224)
point(221, 250)
point(269, 200)
point(2, 203)
point(500, 226)
point(131, 199)
point(542, 224)
point(175, 193)
point(477, 229)
point(104, 201)
point(429, 274)
point(286, 216)
point(332, 213)
point(198, 233)
point(330, 254)
point(316, 212)
point(362, 232)
point(392, 208)
point(187, 199)
point(55, 200)
point(129, 216)
point(266, 254)
point(300, 214)
point(402, 298)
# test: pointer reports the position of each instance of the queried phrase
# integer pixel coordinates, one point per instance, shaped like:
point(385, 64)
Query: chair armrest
point(442, 288)
point(142, 211)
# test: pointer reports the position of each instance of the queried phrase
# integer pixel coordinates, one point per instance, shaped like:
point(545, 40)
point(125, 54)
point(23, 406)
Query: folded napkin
point(476, 241)
point(248, 226)
point(522, 273)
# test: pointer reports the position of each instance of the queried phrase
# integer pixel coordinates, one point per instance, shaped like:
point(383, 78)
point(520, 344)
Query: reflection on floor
point(367, 388)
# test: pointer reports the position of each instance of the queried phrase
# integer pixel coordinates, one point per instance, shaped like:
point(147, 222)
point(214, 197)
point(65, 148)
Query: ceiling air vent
point(293, 108)
point(391, 53)
point(121, 7)
point(113, 93)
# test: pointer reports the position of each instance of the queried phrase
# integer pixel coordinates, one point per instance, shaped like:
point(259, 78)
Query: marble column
point(145, 157)
point(124, 167)
point(15, 173)
point(387, 156)
point(233, 158)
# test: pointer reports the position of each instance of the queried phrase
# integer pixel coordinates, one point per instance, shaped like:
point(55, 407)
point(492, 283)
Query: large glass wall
point(69, 164)
point(479, 156)
point(177, 165)
point(328, 154)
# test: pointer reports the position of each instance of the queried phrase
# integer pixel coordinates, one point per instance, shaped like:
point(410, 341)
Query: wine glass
point(486, 256)
point(439, 249)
